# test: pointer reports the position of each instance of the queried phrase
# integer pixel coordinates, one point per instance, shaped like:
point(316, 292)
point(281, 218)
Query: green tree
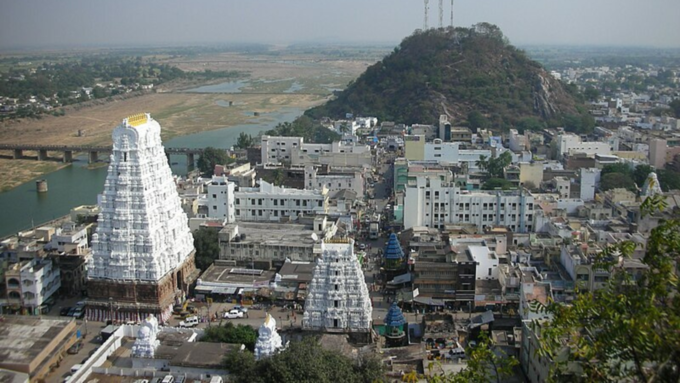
point(493, 183)
point(530, 123)
point(591, 93)
point(628, 330)
point(616, 180)
point(640, 174)
point(211, 157)
point(675, 107)
point(476, 120)
point(244, 141)
point(303, 361)
point(617, 168)
point(482, 162)
point(207, 247)
point(497, 165)
point(228, 333)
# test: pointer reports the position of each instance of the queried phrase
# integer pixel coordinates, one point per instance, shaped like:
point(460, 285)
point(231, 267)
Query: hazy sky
point(128, 22)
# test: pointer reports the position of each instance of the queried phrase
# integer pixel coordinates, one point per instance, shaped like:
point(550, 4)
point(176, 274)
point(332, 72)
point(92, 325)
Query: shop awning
point(428, 301)
point(400, 279)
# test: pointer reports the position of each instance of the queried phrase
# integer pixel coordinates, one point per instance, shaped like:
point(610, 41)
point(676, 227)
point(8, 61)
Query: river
point(23, 207)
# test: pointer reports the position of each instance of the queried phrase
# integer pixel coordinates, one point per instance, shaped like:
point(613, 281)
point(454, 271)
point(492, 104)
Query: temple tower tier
point(142, 251)
point(337, 298)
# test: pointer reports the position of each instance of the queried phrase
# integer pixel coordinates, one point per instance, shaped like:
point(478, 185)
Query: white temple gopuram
point(337, 298)
point(146, 343)
point(143, 252)
point(268, 340)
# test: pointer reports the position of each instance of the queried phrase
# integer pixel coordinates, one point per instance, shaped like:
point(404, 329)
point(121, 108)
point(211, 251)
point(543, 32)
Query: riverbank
point(178, 113)
point(16, 172)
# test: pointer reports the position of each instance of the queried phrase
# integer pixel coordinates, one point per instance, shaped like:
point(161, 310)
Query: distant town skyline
point(73, 23)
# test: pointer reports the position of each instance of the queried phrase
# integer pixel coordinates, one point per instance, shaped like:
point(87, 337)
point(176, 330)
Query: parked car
point(241, 308)
point(79, 313)
point(64, 311)
point(233, 314)
point(75, 348)
point(168, 379)
point(362, 246)
point(191, 321)
point(71, 311)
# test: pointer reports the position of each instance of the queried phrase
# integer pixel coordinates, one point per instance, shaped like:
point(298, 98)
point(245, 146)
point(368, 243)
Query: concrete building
point(220, 199)
point(432, 203)
point(33, 345)
point(414, 147)
point(657, 152)
point(273, 203)
point(143, 251)
point(334, 181)
point(269, 244)
point(69, 238)
point(517, 142)
point(30, 284)
point(590, 178)
point(454, 153)
point(531, 173)
point(338, 299)
point(276, 149)
point(570, 143)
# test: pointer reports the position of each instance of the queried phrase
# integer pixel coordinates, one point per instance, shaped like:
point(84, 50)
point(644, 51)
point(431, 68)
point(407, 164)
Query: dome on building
point(393, 248)
point(394, 317)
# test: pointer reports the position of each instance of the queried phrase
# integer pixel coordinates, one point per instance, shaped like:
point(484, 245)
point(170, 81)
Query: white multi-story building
point(590, 178)
point(337, 298)
point(432, 203)
point(451, 152)
point(334, 181)
point(271, 203)
point(69, 238)
point(30, 283)
point(277, 148)
point(220, 199)
point(569, 143)
point(517, 142)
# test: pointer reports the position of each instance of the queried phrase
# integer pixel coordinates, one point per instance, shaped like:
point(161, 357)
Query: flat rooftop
point(196, 354)
point(23, 338)
point(271, 234)
point(297, 271)
point(235, 276)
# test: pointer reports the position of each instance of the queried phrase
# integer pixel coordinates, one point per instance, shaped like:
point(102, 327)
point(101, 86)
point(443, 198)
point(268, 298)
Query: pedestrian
point(287, 316)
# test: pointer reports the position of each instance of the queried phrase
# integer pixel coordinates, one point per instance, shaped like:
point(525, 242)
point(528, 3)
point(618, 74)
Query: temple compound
point(142, 252)
point(337, 298)
point(268, 340)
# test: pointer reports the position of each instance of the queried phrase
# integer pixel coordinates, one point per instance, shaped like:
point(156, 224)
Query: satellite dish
point(315, 237)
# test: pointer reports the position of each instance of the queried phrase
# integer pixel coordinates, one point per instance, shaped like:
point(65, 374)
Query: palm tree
point(482, 162)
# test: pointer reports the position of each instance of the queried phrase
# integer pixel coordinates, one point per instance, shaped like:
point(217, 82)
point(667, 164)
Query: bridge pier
point(18, 154)
point(93, 157)
point(190, 159)
point(42, 155)
point(167, 155)
point(68, 156)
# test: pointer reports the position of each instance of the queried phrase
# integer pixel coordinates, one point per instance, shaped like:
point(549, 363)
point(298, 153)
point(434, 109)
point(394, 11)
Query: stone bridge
point(17, 151)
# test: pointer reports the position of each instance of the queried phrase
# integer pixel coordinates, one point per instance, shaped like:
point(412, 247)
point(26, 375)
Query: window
point(238, 201)
point(214, 195)
point(259, 212)
point(297, 202)
point(489, 271)
point(276, 202)
point(259, 201)
point(238, 212)
point(437, 155)
point(336, 303)
point(214, 207)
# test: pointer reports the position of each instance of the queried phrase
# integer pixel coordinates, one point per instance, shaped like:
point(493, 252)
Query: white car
point(233, 314)
point(191, 321)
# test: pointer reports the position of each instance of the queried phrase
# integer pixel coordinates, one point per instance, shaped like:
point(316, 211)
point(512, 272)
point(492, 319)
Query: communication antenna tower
point(427, 6)
point(441, 13)
point(451, 13)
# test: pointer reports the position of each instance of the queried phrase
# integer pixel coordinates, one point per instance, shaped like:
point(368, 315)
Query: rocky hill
point(473, 75)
